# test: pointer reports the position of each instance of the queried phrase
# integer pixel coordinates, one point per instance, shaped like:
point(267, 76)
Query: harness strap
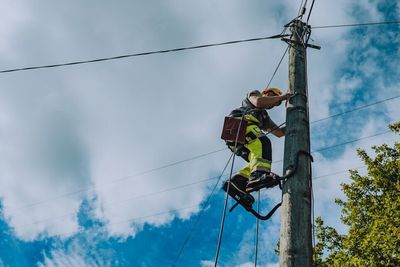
point(251, 137)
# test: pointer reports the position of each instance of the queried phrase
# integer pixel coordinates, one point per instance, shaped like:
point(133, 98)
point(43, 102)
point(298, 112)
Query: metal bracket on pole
point(299, 43)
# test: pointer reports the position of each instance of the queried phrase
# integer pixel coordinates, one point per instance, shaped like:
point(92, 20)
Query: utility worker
point(256, 149)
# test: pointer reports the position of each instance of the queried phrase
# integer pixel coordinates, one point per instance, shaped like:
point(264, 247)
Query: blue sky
point(77, 142)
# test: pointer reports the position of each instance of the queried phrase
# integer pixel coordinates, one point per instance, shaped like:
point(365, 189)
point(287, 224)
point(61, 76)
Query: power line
point(155, 214)
point(356, 24)
point(142, 54)
point(355, 109)
point(192, 206)
point(206, 203)
point(309, 13)
point(345, 143)
point(183, 48)
point(82, 190)
point(182, 208)
point(166, 190)
point(338, 172)
point(352, 141)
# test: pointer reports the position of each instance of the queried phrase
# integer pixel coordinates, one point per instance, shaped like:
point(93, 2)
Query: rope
point(189, 235)
point(257, 229)
point(221, 230)
point(279, 64)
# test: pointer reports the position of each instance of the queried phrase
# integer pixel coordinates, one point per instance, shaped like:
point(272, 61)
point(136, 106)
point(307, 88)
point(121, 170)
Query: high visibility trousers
point(260, 152)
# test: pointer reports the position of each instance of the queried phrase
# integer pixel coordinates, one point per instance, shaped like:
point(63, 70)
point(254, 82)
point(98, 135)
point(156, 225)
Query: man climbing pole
point(243, 133)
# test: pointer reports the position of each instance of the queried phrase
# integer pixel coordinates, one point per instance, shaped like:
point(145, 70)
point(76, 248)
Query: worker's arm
point(278, 132)
point(261, 101)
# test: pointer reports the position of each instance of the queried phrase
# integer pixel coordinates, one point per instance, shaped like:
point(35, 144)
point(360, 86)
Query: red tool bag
point(231, 128)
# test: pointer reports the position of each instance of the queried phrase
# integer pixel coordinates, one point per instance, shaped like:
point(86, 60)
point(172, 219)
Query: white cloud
point(74, 255)
point(346, 88)
point(368, 10)
point(42, 158)
point(16, 14)
point(206, 263)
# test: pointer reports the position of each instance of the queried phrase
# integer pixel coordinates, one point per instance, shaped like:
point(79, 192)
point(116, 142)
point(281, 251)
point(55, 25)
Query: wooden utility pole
point(295, 236)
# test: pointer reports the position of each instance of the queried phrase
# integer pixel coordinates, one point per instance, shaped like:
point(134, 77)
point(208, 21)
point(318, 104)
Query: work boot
point(237, 190)
point(261, 180)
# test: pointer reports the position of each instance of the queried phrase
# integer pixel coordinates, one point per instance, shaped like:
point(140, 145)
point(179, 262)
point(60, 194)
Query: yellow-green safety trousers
point(259, 149)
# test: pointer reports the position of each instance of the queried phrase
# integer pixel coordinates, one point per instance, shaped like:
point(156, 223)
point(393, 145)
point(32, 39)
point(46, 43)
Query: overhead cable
point(345, 143)
point(309, 13)
point(82, 190)
point(338, 172)
point(356, 24)
point(183, 48)
point(138, 218)
point(142, 54)
point(352, 141)
point(355, 109)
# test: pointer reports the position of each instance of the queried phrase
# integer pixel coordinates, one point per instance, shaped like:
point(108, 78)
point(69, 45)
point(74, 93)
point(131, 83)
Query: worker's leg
point(238, 183)
point(260, 164)
point(241, 151)
point(243, 176)
point(260, 156)
point(237, 190)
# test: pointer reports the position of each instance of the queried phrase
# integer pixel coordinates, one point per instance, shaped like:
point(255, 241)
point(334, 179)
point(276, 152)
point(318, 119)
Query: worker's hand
point(286, 96)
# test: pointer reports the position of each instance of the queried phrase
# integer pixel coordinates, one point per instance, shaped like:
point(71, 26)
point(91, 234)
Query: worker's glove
point(287, 96)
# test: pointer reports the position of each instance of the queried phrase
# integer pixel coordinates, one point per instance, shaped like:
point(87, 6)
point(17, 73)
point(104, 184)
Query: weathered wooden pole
point(295, 236)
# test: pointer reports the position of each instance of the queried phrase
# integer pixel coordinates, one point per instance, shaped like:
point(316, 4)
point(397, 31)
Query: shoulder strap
point(237, 112)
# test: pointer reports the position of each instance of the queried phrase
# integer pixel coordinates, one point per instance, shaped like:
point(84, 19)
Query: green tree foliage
point(372, 213)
